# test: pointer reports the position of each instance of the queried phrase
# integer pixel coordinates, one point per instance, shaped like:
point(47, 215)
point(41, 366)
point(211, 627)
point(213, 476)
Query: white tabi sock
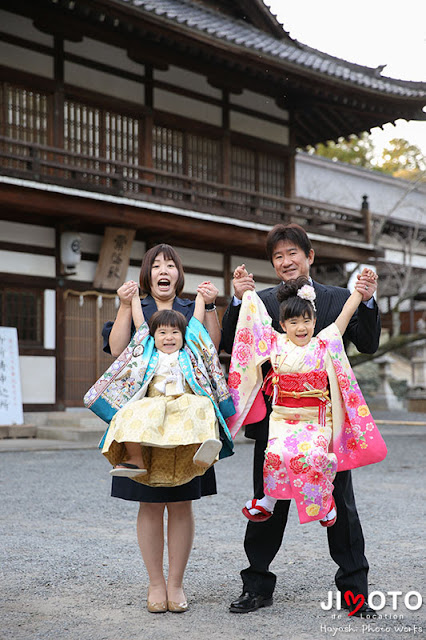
point(266, 502)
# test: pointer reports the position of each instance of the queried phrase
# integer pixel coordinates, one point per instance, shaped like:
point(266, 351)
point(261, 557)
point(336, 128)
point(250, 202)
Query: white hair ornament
point(307, 292)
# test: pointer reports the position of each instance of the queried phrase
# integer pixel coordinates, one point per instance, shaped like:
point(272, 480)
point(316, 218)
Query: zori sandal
point(126, 470)
point(207, 453)
point(257, 517)
point(331, 516)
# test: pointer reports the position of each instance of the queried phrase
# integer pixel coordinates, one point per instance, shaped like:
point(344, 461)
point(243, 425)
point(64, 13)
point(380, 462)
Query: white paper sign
point(10, 378)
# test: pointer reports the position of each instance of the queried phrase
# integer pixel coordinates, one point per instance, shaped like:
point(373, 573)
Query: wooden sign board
point(114, 258)
point(10, 378)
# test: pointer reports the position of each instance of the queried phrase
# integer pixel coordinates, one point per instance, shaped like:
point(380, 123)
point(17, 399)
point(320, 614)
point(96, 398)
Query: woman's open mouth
point(163, 284)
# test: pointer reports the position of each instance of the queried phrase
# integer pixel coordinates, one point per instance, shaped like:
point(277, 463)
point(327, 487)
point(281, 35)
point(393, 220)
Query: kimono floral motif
point(244, 335)
point(242, 353)
point(313, 510)
point(234, 379)
point(298, 464)
point(273, 461)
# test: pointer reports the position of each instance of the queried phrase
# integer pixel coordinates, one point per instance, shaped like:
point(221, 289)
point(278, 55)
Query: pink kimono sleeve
point(254, 341)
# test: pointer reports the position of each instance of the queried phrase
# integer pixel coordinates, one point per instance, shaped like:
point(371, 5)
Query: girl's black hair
point(292, 305)
point(167, 318)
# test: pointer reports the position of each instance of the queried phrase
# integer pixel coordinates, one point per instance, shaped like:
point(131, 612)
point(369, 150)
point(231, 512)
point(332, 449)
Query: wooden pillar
point(226, 143)
point(147, 129)
point(60, 326)
point(290, 162)
point(365, 211)
point(227, 275)
point(56, 136)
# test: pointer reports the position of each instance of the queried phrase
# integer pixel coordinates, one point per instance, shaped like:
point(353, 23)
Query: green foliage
point(356, 150)
point(400, 158)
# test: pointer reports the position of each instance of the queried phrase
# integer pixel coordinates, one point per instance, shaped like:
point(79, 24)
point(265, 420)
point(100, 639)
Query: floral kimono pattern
point(319, 423)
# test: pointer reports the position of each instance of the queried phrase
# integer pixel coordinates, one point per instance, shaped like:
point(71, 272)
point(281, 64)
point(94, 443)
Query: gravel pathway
point(71, 568)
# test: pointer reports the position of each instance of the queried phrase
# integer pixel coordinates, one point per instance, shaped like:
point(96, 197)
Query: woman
point(162, 279)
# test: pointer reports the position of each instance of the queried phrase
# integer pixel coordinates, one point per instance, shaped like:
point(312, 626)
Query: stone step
point(70, 434)
point(18, 431)
point(71, 421)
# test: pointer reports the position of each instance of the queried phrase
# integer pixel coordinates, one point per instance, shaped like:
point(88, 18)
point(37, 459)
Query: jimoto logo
point(377, 600)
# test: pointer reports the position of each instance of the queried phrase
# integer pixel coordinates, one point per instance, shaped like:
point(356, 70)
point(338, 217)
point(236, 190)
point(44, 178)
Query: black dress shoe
point(363, 612)
point(250, 602)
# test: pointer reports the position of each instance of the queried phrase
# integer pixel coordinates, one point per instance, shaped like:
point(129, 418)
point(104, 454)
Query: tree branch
point(394, 344)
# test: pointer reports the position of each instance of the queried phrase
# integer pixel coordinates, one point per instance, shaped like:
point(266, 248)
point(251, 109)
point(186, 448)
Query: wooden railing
point(57, 166)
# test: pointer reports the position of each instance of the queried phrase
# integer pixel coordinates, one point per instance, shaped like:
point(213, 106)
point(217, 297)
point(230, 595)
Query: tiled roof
point(291, 53)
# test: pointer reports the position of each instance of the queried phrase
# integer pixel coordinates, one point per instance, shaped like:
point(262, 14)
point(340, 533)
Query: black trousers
point(345, 539)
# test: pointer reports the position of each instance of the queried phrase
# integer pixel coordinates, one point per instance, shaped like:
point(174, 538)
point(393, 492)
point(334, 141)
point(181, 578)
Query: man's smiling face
point(290, 261)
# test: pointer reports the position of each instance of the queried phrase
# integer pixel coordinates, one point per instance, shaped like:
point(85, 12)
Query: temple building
point(124, 123)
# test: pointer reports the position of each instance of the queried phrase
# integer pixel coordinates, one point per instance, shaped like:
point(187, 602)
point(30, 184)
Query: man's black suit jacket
point(363, 330)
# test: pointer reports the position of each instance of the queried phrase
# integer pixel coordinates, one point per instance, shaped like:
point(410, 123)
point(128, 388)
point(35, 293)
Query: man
point(291, 254)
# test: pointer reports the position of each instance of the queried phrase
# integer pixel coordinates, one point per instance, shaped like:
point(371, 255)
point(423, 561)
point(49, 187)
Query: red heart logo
point(350, 600)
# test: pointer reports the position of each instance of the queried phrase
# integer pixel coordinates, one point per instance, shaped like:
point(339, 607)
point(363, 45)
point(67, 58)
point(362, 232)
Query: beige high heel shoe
point(156, 607)
point(177, 607)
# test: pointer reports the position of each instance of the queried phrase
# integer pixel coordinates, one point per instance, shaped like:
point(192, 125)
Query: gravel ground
point(71, 568)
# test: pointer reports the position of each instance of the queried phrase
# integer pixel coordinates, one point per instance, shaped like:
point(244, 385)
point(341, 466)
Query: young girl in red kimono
point(320, 422)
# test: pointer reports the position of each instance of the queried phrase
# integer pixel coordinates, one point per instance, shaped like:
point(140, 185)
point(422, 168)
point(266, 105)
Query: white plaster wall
point(37, 379)
point(27, 234)
point(200, 259)
point(259, 128)
point(192, 280)
point(90, 242)
point(183, 106)
point(105, 83)
point(49, 340)
point(27, 264)
point(258, 102)
point(188, 80)
point(397, 257)
point(133, 273)
point(341, 184)
point(138, 250)
point(255, 266)
point(23, 27)
point(85, 271)
point(25, 60)
point(106, 53)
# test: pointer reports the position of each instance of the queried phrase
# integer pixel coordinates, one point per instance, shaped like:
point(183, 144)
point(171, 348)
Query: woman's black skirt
point(200, 486)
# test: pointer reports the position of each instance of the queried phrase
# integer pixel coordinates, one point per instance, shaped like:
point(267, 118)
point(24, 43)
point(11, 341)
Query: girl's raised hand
point(366, 283)
point(208, 291)
point(243, 281)
point(127, 291)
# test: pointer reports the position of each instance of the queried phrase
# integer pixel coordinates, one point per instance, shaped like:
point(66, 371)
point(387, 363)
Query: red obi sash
point(308, 389)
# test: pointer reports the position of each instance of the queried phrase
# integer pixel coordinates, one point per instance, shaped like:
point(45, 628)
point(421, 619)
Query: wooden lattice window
point(187, 154)
point(271, 178)
point(23, 309)
point(23, 114)
point(82, 133)
point(243, 172)
point(98, 133)
point(23, 117)
point(257, 172)
point(122, 143)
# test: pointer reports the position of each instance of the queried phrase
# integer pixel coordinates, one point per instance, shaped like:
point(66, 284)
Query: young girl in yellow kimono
point(319, 423)
point(166, 434)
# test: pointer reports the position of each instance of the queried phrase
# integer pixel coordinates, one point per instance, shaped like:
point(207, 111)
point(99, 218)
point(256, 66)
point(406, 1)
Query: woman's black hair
point(167, 318)
point(292, 305)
